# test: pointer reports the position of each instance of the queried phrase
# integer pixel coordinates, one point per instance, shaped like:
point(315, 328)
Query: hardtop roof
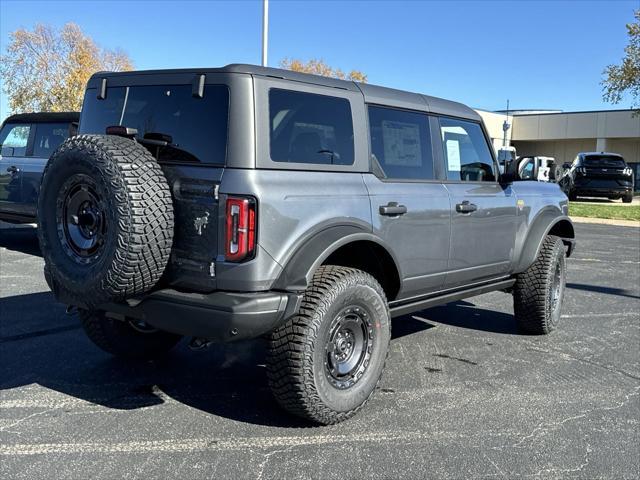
point(372, 93)
point(43, 117)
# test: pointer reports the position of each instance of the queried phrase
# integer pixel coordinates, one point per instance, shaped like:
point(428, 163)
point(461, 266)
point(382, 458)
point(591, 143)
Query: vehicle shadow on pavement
point(42, 345)
point(467, 315)
point(20, 239)
point(600, 289)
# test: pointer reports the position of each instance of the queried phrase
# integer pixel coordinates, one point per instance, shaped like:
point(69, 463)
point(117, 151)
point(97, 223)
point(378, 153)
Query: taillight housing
point(240, 231)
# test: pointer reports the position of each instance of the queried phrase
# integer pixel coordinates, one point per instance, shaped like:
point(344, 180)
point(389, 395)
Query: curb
point(607, 221)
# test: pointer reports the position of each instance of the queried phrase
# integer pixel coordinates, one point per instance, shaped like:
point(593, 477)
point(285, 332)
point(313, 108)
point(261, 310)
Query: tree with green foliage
point(625, 78)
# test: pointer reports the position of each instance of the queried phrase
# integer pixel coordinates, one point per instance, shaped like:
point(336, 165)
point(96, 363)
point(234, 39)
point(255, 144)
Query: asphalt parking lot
point(463, 396)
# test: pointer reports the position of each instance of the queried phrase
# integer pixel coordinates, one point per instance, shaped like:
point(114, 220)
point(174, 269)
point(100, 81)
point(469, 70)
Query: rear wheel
point(627, 198)
point(325, 362)
point(539, 290)
point(128, 338)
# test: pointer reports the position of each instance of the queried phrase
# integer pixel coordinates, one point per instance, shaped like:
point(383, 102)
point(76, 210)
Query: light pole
point(265, 30)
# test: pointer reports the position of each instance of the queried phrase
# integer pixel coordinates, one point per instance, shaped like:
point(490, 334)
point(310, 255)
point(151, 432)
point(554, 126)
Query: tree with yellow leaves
point(46, 70)
point(318, 67)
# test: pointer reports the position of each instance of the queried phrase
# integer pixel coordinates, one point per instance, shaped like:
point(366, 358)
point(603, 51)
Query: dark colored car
point(598, 174)
point(27, 141)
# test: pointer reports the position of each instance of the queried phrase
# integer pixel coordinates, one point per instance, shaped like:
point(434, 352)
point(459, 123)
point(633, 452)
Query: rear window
point(310, 128)
point(49, 136)
point(194, 129)
point(603, 161)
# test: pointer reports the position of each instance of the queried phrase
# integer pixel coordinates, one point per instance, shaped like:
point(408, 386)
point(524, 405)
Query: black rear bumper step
point(399, 307)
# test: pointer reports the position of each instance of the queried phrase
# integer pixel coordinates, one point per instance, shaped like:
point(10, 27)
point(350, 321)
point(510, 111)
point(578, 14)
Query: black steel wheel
point(324, 363)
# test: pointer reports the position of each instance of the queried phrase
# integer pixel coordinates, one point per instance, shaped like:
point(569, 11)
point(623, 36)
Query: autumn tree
point(318, 67)
point(47, 69)
point(625, 78)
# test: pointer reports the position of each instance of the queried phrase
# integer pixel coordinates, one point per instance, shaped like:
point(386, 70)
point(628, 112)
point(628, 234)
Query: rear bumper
point(217, 316)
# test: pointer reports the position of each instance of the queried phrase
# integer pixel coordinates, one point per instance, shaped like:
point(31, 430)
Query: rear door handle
point(466, 207)
point(392, 209)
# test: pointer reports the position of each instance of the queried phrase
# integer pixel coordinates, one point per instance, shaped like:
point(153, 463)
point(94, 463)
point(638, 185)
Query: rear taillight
point(240, 232)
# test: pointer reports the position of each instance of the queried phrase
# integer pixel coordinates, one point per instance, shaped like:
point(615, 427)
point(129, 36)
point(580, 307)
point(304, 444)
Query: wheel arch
point(546, 223)
point(347, 246)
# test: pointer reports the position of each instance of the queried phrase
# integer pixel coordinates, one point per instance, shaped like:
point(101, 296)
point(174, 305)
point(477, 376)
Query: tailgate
point(195, 241)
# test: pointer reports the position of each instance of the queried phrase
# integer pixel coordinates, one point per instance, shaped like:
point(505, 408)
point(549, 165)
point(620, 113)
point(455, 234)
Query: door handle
point(392, 209)
point(466, 207)
point(13, 170)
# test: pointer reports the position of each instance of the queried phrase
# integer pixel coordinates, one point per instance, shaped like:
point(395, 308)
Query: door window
point(400, 143)
point(49, 136)
point(527, 170)
point(310, 128)
point(466, 151)
point(14, 140)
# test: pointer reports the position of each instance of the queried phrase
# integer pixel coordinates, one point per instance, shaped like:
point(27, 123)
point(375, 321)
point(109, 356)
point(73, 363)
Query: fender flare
point(544, 222)
point(299, 269)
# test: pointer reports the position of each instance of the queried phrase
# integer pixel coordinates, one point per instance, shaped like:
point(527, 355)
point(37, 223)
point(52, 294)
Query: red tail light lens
point(240, 233)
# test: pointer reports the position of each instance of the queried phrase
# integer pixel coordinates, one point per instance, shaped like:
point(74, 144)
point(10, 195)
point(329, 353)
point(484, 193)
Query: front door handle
point(466, 207)
point(13, 170)
point(392, 209)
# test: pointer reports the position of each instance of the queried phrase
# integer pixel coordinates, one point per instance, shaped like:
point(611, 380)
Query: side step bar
point(440, 299)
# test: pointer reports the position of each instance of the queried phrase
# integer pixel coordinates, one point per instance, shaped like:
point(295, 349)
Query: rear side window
point(466, 151)
point(49, 136)
point(310, 128)
point(401, 143)
point(189, 129)
point(14, 139)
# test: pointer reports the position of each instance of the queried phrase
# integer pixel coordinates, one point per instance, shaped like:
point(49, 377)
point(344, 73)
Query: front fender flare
point(540, 228)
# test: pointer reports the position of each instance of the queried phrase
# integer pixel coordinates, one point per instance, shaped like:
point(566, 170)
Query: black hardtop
point(372, 93)
point(43, 117)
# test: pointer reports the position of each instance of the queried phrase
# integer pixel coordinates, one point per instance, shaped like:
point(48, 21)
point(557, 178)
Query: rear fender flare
point(298, 271)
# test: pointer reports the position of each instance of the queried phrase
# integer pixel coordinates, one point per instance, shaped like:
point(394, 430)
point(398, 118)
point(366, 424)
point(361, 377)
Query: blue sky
point(539, 54)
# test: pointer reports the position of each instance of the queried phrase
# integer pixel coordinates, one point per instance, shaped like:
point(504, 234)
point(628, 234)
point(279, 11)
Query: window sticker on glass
point(453, 155)
point(401, 143)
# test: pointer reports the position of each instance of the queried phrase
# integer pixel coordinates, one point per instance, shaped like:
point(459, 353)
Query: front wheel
point(126, 338)
point(325, 362)
point(627, 198)
point(539, 290)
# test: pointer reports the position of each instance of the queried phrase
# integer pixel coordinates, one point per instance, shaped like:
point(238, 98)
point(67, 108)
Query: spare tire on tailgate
point(105, 219)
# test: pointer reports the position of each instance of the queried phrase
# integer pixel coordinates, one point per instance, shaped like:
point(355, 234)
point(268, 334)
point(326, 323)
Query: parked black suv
point(598, 174)
point(27, 140)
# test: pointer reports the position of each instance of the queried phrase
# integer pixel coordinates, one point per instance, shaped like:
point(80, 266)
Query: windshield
point(191, 129)
point(604, 161)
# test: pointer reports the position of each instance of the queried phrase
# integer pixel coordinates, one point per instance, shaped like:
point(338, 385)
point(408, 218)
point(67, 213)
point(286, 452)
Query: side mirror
point(508, 177)
point(566, 165)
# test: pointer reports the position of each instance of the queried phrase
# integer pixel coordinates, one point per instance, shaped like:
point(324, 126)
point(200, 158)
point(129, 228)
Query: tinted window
point(466, 151)
point(526, 170)
point(310, 128)
point(14, 140)
point(603, 161)
point(194, 129)
point(400, 143)
point(49, 136)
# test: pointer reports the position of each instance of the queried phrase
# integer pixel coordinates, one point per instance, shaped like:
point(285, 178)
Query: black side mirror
point(508, 177)
point(566, 165)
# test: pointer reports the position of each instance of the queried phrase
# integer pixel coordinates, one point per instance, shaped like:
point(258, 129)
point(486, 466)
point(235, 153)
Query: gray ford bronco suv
point(239, 202)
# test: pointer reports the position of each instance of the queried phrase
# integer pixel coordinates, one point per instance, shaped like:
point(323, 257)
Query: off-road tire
point(533, 298)
point(627, 198)
point(137, 216)
point(296, 358)
point(122, 339)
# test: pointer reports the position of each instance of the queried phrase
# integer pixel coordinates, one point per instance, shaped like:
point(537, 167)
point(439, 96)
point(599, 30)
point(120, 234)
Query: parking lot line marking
point(209, 444)
point(598, 315)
